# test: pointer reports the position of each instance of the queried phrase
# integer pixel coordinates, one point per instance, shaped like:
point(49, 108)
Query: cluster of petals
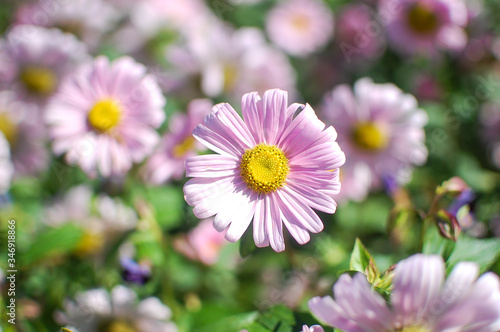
point(421, 300)
point(86, 19)
point(19, 123)
point(218, 187)
point(178, 144)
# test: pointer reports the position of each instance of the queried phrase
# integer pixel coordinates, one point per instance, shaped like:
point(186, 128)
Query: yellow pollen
point(184, 147)
point(368, 136)
point(300, 22)
point(422, 20)
point(8, 129)
point(39, 80)
point(264, 168)
point(105, 115)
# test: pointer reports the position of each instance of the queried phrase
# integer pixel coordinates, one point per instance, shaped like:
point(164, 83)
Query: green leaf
point(278, 318)
point(53, 242)
point(148, 246)
point(233, 323)
point(360, 257)
point(484, 252)
point(168, 203)
point(247, 245)
point(435, 244)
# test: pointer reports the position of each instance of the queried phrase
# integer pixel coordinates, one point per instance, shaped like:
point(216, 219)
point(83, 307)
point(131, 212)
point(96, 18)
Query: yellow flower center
point(230, 75)
point(368, 136)
point(117, 326)
point(301, 22)
point(73, 27)
point(264, 168)
point(8, 129)
point(422, 20)
point(184, 147)
point(39, 80)
point(89, 244)
point(105, 115)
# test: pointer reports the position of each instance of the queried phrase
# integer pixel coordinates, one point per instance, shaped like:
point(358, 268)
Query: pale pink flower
point(36, 59)
point(203, 243)
point(380, 129)
point(421, 300)
point(424, 26)
point(6, 167)
point(300, 27)
point(89, 20)
point(104, 116)
point(24, 133)
point(231, 62)
point(273, 167)
point(167, 162)
point(118, 310)
point(313, 328)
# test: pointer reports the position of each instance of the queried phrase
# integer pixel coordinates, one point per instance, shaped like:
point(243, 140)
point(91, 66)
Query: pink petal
point(294, 208)
point(239, 210)
point(260, 235)
point(211, 166)
point(315, 199)
point(417, 282)
point(274, 224)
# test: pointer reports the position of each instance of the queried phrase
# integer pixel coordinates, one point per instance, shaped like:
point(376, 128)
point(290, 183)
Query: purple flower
point(421, 300)
point(274, 167)
point(135, 272)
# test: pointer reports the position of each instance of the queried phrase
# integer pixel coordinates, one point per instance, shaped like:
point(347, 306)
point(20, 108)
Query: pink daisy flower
point(86, 19)
point(203, 243)
point(274, 167)
point(420, 302)
point(300, 27)
point(380, 129)
point(104, 116)
point(423, 26)
point(24, 133)
point(177, 145)
point(36, 59)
